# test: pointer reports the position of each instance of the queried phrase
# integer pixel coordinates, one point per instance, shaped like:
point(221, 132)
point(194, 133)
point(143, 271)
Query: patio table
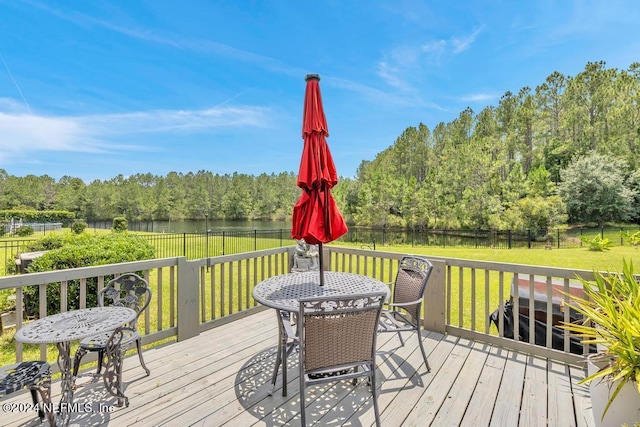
point(63, 328)
point(284, 292)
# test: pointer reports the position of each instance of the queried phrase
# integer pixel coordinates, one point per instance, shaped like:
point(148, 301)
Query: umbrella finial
point(312, 77)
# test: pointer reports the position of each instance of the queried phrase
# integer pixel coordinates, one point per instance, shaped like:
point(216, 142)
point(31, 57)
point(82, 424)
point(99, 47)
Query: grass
point(576, 258)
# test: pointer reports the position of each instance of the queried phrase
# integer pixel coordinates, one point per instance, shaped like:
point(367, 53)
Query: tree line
point(564, 152)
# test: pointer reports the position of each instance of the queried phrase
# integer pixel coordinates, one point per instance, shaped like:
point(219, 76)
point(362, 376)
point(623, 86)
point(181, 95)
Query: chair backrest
point(338, 331)
point(127, 290)
point(411, 281)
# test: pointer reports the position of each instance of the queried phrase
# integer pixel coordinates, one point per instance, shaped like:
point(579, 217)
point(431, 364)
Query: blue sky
point(102, 88)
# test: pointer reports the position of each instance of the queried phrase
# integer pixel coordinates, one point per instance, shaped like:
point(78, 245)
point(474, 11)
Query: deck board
point(222, 378)
point(480, 407)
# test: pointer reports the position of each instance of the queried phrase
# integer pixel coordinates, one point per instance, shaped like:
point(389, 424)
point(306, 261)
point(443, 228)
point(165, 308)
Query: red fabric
point(316, 217)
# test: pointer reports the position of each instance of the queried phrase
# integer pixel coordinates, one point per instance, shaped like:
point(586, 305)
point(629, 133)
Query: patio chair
point(35, 376)
point(337, 341)
point(402, 313)
point(127, 290)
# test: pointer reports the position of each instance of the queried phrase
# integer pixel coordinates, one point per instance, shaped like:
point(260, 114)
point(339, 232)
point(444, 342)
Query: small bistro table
point(63, 328)
point(284, 292)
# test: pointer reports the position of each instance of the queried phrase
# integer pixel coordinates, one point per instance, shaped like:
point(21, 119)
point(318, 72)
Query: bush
point(120, 224)
point(81, 250)
point(633, 238)
point(79, 226)
point(597, 243)
point(24, 231)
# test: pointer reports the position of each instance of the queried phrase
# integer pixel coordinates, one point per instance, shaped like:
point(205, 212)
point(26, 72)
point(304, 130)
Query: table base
point(112, 375)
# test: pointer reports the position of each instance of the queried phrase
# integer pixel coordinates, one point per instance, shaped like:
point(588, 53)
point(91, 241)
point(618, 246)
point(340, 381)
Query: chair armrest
point(404, 304)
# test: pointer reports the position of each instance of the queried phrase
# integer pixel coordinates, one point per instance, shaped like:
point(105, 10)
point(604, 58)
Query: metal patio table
point(284, 292)
point(63, 328)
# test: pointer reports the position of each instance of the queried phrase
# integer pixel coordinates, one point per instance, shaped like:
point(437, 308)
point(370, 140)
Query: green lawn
point(578, 258)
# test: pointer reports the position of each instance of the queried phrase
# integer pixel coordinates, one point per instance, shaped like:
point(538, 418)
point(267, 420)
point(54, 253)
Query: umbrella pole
point(321, 264)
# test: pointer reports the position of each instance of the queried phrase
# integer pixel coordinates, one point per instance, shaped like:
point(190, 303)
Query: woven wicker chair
point(403, 312)
point(35, 376)
point(337, 341)
point(128, 290)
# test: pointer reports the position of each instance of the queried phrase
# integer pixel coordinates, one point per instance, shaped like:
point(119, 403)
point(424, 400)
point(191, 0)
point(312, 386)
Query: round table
point(284, 292)
point(62, 328)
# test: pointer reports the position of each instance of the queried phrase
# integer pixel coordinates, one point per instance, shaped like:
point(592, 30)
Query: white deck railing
point(190, 297)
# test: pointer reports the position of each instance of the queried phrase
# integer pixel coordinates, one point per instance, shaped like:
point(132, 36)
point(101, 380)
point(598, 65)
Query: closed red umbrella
point(316, 217)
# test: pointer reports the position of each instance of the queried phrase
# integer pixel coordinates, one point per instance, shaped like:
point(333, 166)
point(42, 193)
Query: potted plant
point(611, 310)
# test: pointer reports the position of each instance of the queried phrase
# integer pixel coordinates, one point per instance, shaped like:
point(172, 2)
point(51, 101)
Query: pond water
point(197, 226)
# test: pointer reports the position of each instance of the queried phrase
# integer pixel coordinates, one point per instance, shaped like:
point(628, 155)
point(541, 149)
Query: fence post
point(558, 237)
point(529, 238)
point(509, 237)
point(435, 302)
point(621, 238)
point(224, 238)
point(255, 240)
point(184, 244)
point(188, 299)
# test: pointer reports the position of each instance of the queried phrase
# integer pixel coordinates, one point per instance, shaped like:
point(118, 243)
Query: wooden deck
point(222, 378)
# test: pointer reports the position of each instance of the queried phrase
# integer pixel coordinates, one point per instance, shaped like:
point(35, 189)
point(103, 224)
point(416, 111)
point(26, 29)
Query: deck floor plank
point(506, 411)
point(438, 391)
point(561, 410)
point(222, 377)
point(533, 412)
point(481, 405)
point(454, 407)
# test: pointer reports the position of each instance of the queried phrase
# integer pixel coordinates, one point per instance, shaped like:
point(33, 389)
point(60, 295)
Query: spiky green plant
point(597, 243)
point(611, 309)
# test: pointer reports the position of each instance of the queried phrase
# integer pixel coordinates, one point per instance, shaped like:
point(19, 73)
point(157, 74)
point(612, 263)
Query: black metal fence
point(225, 242)
point(498, 239)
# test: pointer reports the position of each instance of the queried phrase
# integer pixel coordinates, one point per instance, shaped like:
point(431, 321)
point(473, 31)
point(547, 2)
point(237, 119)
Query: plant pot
point(625, 408)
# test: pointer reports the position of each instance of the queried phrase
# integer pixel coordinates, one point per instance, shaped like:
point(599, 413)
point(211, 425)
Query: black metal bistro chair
point(402, 313)
point(35, 376)
point(128, 290)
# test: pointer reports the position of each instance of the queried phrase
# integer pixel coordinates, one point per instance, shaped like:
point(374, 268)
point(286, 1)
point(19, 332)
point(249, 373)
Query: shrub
point(81, 250)
point(633, 238)
point(120, 224)
point(79, 226)
point(597, 243)
point(24, 231)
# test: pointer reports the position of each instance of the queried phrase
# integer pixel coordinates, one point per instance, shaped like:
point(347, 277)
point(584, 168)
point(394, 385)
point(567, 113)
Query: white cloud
point(460, 44)
point(477, 97)
point(390, 75)
point(454, 45)
point(175, 41)
point(27, 133)
point(437, 46)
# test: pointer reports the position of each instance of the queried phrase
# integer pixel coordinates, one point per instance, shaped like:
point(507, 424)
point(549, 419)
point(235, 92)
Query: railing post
point(435, 302)
point(188, 299)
